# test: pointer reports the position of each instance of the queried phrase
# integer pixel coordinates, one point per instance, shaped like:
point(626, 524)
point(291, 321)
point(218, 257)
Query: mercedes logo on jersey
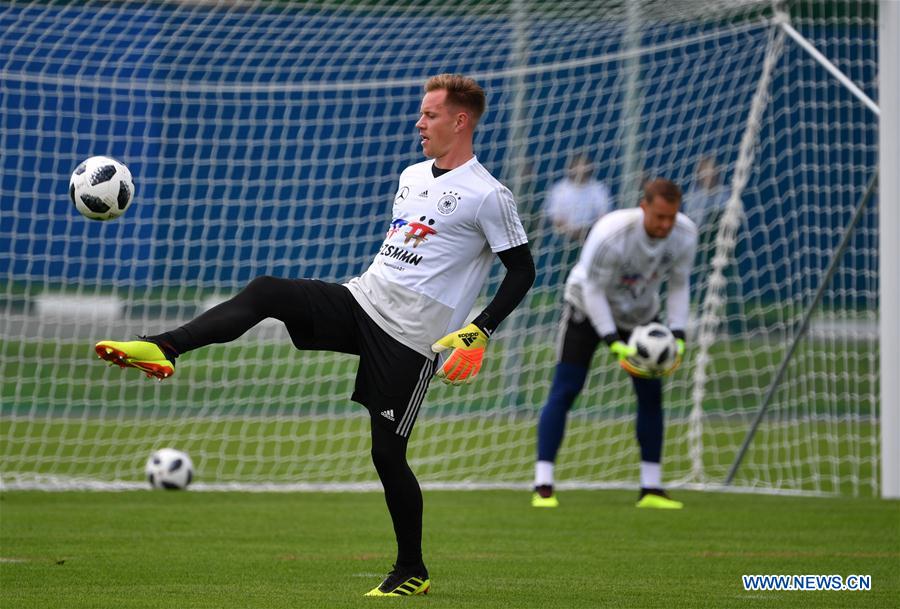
point(401, 196)
point(448, 202)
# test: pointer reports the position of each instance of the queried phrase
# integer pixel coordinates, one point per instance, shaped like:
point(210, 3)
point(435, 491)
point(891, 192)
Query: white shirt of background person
point(707, 195)
point(578, 200)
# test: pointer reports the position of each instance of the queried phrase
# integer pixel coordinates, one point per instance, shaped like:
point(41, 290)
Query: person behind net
point(704, 203)
point(613, 288)
point(572, 206)
point(450, 218)
point(577, 201)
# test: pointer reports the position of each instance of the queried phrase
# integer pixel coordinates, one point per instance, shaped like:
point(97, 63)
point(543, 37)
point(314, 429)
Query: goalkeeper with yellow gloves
point(614, 288)
point(450, 219)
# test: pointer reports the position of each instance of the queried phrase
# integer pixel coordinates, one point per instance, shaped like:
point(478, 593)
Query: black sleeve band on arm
point(519, 277)
point(679, 334)
point(609, 339)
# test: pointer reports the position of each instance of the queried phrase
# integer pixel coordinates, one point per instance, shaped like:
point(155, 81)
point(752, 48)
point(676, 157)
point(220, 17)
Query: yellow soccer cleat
point(141, 354)
point(657, 499)
point(544, 497)
point(402, 583)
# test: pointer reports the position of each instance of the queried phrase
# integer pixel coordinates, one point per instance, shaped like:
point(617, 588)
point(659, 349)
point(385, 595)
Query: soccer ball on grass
point(101, 188)
point(656, 348)
point(169, 469)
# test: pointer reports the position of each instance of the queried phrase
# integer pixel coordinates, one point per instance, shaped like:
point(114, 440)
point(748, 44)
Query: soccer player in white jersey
point(613, 288)
point(450, 218)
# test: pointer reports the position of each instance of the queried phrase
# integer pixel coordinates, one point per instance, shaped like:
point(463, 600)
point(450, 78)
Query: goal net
point(267, 138)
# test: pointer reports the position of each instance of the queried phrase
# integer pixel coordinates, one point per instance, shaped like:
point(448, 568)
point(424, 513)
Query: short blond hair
point(461, 91)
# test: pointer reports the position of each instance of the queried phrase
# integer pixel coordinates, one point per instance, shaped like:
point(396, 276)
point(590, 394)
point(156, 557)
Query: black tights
point(282, 299)
point(401, 493)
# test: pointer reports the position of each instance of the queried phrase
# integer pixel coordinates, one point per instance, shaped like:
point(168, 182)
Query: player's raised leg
point(298, 303)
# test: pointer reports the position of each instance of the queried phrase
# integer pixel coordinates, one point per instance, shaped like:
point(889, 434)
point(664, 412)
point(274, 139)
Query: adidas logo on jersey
point(388, 414)
point(468, 338)
point(423, 194)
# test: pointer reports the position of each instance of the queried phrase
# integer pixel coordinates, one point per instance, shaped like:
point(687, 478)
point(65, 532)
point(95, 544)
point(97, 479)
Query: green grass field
point(484, 549)
point(250, 413)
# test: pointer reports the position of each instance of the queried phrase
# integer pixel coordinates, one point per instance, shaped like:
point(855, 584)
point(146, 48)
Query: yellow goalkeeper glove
point(468, 346)
point(679, 356)
point(623, 353)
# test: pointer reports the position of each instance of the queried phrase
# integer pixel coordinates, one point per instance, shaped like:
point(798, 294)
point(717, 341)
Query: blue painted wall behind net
point(241, 169)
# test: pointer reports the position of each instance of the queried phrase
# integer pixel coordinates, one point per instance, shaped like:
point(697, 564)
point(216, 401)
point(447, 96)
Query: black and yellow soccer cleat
point(144, 355)
point(402, 583)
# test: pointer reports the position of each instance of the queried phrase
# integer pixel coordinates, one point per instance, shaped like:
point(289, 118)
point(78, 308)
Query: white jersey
point(578, 205)
point(617, 278)
point(437, 252)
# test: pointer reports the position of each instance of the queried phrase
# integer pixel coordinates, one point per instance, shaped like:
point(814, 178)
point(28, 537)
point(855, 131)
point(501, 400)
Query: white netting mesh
point(267, 137)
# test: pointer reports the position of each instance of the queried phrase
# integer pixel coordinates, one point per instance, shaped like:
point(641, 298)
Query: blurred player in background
point(613, 288)
point(450, 218)
point(571, 207)
point(704, 203)
point(707, 197)
point(578, 200)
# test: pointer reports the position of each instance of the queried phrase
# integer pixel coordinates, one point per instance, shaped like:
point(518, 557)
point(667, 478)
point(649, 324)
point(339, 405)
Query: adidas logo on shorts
point(388, 414)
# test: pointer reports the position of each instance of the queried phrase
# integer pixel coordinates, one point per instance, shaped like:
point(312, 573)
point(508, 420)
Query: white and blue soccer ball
point(656, 348)
point(169, 469)
point(101, 188)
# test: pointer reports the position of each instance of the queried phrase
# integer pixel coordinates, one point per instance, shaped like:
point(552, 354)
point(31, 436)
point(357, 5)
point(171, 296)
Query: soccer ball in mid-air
point(170, 469)
point(101, 188)
point(656, 348)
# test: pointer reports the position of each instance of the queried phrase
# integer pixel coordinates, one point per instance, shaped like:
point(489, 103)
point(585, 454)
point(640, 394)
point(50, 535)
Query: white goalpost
point(712, 307)
point(889, 219)
point(267, 137)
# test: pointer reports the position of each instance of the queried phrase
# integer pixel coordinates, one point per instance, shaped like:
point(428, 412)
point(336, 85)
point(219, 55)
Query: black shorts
point(391, 380)
point(577, 338)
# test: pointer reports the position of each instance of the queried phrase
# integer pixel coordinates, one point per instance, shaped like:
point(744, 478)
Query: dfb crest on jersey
point(448, 202)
